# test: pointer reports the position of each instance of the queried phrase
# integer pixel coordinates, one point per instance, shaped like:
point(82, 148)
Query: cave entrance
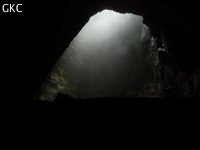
point(101, 61)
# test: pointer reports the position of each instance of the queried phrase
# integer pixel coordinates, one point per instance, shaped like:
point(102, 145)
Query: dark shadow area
point(35, 39)
point(69, 123)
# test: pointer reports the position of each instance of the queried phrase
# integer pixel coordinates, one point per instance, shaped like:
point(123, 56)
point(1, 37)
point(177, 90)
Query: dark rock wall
point(163, 76)
point(150, 85)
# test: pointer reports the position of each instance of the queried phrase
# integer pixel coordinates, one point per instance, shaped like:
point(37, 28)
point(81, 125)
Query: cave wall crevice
point(169, 78)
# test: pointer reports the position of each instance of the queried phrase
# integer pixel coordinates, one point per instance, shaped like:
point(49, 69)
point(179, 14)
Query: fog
point(101, 61)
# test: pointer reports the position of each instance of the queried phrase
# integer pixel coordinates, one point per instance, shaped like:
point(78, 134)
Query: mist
point(101, 61)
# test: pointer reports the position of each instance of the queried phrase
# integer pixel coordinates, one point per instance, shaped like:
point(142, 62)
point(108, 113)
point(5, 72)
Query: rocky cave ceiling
point(46, 24)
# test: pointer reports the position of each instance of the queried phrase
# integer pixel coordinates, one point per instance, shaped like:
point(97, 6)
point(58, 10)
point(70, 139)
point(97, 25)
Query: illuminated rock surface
point(103, 60)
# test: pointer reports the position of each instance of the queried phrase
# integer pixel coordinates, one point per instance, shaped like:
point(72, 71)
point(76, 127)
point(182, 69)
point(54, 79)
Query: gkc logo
point(11, 8)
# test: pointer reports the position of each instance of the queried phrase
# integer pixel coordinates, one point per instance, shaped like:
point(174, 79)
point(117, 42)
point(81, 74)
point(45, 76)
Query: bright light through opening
point(101, 61)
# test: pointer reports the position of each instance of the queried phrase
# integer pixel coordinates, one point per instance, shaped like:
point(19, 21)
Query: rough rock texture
point(165, 77)
point(149, 63)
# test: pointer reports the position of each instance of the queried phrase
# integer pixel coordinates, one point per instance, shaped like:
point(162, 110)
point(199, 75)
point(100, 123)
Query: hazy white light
point(99, 58)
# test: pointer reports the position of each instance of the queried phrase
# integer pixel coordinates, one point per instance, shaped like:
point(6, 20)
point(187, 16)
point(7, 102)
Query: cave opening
point(103, 60)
